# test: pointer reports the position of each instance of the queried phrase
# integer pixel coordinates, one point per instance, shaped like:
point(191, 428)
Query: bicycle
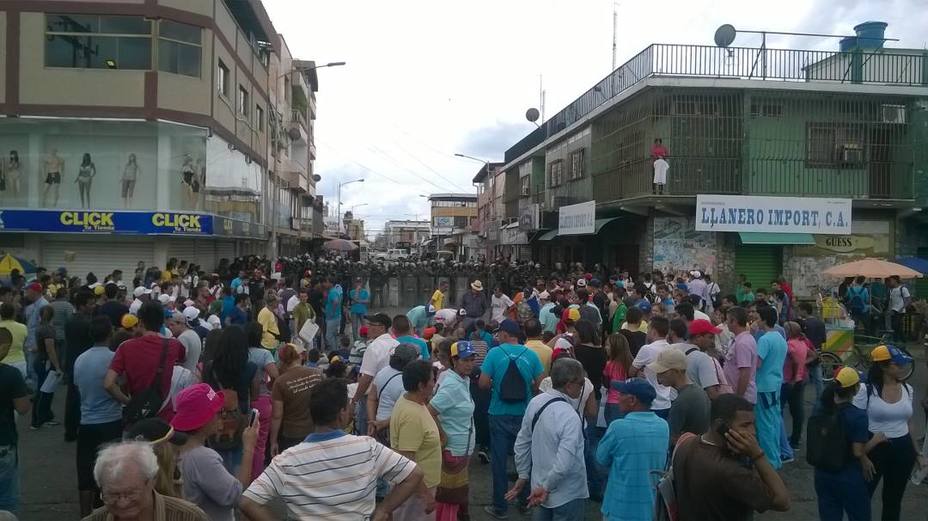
point(858, 356)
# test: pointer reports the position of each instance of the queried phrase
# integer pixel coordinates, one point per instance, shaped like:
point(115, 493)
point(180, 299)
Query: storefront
point(581, 236)
point(101, 241)
point(126, 165)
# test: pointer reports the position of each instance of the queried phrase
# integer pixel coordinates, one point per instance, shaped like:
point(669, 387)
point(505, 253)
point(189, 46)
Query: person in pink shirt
point(741, 360)
point(799, 355)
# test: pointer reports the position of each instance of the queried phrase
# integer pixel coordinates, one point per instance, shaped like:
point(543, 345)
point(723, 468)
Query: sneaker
point(787, 460)
point(34, 427)
point(483, 456)
point(491, 511)
point(53, 423)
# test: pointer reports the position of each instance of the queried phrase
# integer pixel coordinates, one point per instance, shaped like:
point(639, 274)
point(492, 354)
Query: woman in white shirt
point(888, 402)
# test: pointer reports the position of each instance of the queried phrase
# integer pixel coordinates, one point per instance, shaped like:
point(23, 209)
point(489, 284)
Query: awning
point(597, 227)
point(918, 264)
point(776, 238)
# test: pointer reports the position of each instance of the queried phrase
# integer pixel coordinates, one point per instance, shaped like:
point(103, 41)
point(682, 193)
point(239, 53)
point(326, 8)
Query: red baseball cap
point(700, 327)
point(35, 286)
point(196, 406)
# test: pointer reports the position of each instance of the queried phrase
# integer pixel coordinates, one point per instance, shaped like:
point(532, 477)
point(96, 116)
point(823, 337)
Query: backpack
point(665, 493)
point(856, 304)
point(231, 423)
point(149, 402)
point(827, 444)
point(512, 387)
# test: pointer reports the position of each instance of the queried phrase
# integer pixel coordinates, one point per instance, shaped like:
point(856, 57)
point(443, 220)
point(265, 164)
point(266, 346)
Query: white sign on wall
point(741, 213)
point(577, 219)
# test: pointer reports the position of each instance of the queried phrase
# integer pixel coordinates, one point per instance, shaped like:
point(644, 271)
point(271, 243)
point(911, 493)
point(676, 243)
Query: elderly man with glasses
point(126, 474)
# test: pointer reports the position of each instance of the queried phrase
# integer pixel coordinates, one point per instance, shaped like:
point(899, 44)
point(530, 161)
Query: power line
point(430, 168)
point(371, 170)
point(393, 160)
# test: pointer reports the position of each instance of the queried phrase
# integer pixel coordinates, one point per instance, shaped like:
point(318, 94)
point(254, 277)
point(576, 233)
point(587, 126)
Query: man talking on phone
point(723, 474)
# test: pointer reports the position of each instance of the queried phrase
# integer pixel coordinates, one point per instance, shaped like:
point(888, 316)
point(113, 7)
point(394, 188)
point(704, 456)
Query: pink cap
point(196, 406)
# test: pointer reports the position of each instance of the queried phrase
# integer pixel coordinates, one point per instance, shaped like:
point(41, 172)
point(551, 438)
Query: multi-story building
point(140, 131)
point(453, 218)
point(407, 235)
point(291, 202)
point(488, 225)
point(801, 125)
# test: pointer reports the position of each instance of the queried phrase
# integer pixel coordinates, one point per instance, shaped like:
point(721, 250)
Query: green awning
point(597, 227)
point(547, 236)
point(776, 238)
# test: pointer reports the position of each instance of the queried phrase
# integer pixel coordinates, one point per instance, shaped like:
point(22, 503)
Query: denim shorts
point(9, 478)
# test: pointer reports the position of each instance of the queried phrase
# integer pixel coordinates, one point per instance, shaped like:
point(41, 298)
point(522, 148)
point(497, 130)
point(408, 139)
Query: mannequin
point(189, 178)
point(129, 175)
point(12, 173)
point(85, 175)
point(53, 166)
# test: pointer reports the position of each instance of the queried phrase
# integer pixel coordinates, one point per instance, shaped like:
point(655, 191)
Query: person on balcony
point(659, 154)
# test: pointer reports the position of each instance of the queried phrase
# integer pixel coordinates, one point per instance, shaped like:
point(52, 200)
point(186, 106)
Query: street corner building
point(754, 161)
point(141, 131)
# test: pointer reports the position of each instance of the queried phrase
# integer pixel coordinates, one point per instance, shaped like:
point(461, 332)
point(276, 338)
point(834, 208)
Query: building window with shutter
point(576, 165)
point(555, 173)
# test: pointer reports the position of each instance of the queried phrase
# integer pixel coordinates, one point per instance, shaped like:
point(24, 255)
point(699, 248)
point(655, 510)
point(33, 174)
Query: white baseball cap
point(191, 313)
point(164, 298)
point(214, 321)
point(141, 290)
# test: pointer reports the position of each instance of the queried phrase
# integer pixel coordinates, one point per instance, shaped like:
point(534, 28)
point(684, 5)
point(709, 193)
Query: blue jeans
point(596, 474)
point(570, 511)
point(357, 320)
point(613, 413)
point(503, 432)
point(9, 478)
point(331, 334)
point(840, 492)
point(42, 409)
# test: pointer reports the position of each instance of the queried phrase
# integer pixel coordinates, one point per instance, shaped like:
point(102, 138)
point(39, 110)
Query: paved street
point(49, 484)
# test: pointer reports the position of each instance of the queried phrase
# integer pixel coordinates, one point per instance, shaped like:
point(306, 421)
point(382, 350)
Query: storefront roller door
point(760, 263)
point(224, 250)
point(99, 255)
point(183, 249)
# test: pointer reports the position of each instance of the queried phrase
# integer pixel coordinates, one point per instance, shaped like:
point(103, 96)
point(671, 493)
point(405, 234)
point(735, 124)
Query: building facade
point(136, 131)
point(454, 217)
point(406, 235)
point(797, 124)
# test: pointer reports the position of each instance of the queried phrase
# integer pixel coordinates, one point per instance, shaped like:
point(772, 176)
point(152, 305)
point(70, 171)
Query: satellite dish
point(293, 133)
point(724, 35)
point(317, 178)
point(532, 114)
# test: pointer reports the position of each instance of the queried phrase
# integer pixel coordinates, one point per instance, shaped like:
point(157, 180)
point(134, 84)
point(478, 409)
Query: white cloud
point(426, 79)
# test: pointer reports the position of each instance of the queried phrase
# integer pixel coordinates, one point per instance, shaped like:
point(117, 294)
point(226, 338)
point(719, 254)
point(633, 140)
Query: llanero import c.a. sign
point(742, 213)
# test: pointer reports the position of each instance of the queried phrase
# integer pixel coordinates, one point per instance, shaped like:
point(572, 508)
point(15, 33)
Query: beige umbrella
point(873, 269)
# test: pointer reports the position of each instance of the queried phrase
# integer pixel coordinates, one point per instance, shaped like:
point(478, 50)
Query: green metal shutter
point(760, 263)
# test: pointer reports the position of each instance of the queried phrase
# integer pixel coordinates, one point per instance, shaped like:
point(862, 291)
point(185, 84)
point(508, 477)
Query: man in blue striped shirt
point(633, 447)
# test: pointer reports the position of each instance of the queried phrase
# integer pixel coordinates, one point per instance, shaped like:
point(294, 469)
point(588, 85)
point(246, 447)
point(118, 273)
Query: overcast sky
point(426, 79)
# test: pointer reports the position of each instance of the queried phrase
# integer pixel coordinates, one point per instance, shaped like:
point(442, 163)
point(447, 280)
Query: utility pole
point(541, 97)
point(615, 30)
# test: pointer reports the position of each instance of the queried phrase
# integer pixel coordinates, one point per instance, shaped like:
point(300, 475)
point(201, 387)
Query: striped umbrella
point(9, 263)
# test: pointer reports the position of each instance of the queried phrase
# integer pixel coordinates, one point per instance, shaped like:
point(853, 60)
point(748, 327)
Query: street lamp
point(340, 185)
point(351, 209)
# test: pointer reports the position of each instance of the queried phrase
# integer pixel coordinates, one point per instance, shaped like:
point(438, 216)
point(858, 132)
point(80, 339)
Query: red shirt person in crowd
point(658, 150)
point(137, 360)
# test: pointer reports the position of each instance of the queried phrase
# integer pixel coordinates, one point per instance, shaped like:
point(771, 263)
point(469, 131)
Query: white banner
point(741, 213)
point(577, 219)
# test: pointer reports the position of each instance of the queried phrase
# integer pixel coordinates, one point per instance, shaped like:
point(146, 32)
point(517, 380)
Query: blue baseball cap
point(890, 353)
point(463, 349)
point(637, 387)
point(509, 326)
point(644, 306)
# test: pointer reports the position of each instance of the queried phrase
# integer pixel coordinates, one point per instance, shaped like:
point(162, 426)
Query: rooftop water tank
point(847, 44)
point(870, 35)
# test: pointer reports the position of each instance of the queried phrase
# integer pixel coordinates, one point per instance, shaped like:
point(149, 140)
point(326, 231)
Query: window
point(576, 165)
point(222, 79)
point(834, 145)
point(243, 101)
point(555, 173)
point(259, 118)
point(97, 42)
point(525, 189)
point(179, 48)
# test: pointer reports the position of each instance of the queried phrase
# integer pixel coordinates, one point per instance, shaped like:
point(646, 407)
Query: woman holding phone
point(207, 483)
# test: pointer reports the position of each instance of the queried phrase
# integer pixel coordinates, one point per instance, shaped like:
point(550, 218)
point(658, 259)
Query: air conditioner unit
point(851, 153)
point(893, 114)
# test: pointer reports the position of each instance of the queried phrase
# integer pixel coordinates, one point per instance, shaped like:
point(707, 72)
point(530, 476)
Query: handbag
point(147, 403)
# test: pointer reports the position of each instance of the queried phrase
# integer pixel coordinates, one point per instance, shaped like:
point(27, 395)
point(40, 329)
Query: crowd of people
point(266, 388)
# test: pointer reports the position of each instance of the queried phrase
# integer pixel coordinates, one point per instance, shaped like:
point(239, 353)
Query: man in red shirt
point(137, 360)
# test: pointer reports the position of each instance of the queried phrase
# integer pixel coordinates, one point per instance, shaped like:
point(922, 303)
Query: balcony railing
point(883, 67)
point(690, 176)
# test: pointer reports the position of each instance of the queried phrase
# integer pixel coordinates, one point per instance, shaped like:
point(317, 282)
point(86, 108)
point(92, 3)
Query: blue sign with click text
point(94, 221)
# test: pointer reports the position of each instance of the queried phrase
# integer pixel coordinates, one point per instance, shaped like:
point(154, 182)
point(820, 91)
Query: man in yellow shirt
point(268, 320)
point(438, 298)
point(533, 341)
point(18, 331)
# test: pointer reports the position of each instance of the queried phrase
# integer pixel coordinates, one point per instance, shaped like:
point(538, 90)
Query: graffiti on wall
point(679, 247)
